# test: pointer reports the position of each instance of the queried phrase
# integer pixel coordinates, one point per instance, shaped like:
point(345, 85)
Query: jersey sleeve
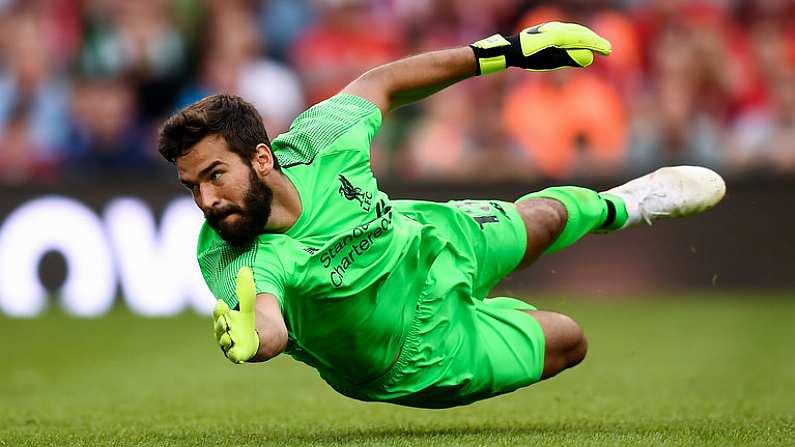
point(321, 127)
point(271, 280)
point(220, 264)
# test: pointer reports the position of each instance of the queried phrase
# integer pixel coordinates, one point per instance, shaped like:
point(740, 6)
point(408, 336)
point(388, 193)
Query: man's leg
point(557, 217)
point(565, 344)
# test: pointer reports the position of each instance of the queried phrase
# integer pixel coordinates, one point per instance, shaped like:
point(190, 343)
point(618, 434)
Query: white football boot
point(674, 191)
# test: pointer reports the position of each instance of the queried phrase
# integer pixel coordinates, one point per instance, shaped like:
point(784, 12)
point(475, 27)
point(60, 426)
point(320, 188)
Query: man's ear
point(263, 159)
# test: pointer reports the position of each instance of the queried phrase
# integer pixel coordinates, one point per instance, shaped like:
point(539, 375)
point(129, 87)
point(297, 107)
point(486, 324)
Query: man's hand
point(235, 330)
point(549, 46)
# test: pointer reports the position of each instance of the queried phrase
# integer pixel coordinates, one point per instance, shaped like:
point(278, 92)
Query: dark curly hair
point(237, 121)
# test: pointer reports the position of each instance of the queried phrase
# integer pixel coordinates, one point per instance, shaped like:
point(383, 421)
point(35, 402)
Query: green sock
point(618, 207)
point(587, 210)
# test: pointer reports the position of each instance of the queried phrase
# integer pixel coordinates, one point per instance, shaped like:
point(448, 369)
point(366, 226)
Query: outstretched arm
point(549, 46)
point(414, 78)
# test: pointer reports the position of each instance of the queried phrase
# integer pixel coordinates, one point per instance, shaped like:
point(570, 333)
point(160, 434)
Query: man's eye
point(215, 176)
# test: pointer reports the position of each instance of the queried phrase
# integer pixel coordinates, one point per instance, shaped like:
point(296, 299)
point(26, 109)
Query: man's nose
point(208, 197)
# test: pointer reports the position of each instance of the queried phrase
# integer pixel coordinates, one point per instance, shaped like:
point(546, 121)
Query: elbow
point(280, 341)
point(272, 341)
point(276, 343)
point(270, 346)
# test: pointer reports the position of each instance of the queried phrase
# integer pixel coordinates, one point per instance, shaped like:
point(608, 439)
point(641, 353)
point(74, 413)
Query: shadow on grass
point(502, 434)
point(776, 431)
point(402, 433)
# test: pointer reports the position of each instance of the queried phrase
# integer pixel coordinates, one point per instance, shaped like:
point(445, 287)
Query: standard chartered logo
point(345, 252)
point(123, 249)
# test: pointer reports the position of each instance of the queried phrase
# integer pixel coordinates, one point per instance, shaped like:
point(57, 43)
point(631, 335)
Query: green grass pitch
point(677, 370)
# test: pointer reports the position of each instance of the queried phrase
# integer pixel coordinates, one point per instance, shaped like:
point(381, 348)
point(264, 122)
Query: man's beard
point(251, 218)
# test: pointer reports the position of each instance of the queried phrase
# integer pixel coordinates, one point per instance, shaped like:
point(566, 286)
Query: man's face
point(235, 202)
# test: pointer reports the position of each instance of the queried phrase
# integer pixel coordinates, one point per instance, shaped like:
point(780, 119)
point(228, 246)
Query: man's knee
point(565, 342)
point(579, 349)
point(572, 344)
point(544, 220)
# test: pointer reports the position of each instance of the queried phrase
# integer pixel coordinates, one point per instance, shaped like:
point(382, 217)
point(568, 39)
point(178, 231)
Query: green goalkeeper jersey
point(349, 272)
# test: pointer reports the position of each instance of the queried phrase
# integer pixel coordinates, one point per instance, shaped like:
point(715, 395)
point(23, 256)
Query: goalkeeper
point(387, 298)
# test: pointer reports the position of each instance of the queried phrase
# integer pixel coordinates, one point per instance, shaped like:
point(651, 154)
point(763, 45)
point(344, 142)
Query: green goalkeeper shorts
point(461, 347)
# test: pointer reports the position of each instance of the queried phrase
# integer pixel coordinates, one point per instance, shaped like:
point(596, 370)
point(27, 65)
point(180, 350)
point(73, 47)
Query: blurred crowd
point(84, 84)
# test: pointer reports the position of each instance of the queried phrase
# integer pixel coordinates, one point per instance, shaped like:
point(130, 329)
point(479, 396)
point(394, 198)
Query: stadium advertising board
point(136, 242)
point(118, 251)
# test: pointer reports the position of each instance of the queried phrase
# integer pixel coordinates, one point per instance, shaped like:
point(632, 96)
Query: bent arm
point(409, 80)
point(548, 46)
point(271, 328)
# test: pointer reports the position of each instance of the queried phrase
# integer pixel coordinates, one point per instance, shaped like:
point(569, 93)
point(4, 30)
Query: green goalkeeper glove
point(235, 331)
point(549, 46)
